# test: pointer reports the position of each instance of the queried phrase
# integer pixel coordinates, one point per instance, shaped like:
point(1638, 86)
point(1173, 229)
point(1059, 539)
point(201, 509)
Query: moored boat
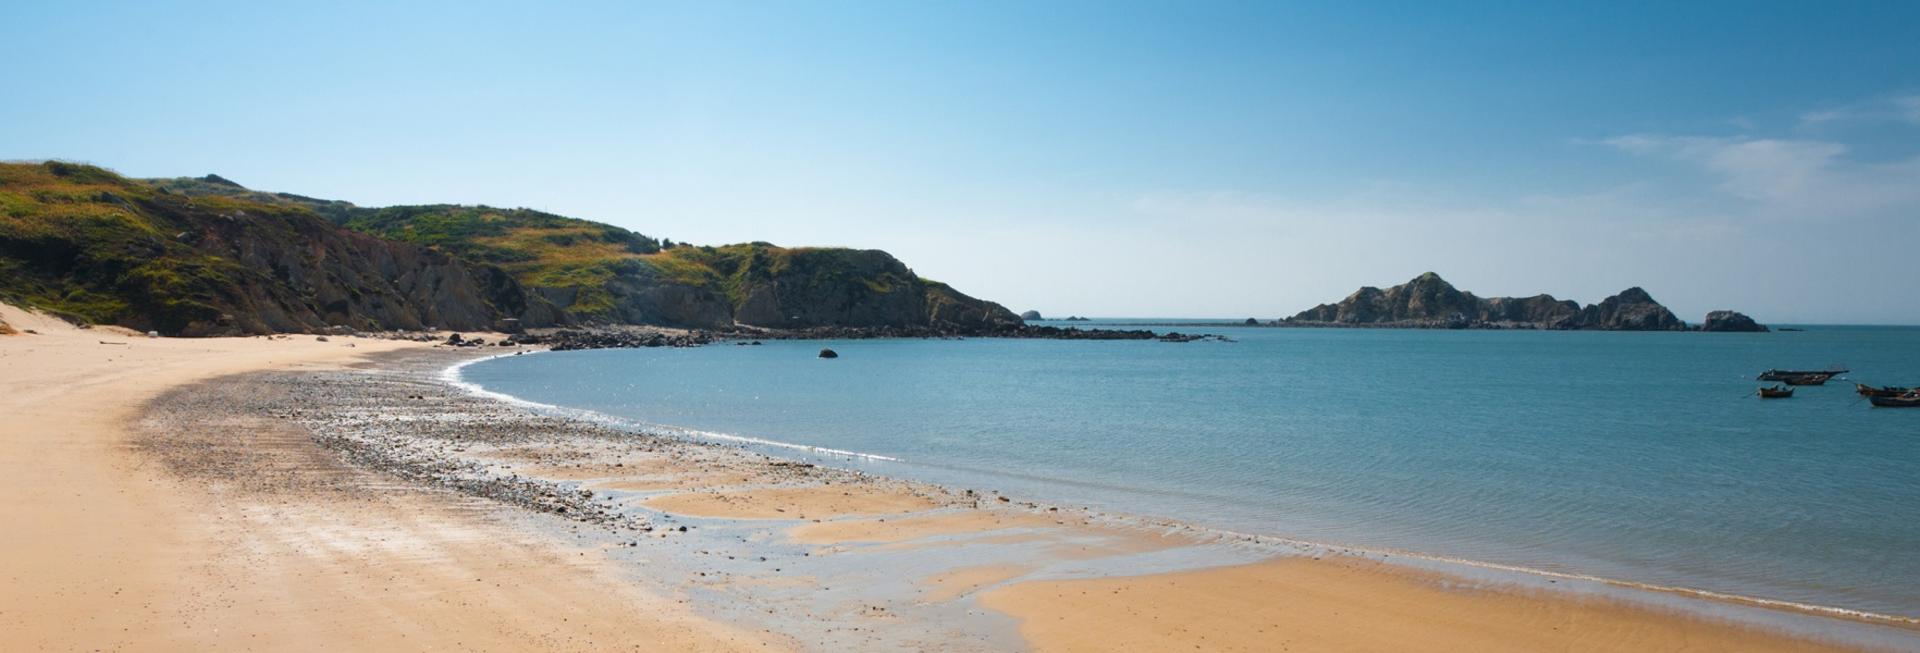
point(1908, 400)
point(1882, 391)
point(1776, 392)
point(1807, 379)
point(1782, 375)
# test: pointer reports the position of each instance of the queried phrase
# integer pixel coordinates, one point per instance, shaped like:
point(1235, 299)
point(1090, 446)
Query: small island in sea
point(1429, 302)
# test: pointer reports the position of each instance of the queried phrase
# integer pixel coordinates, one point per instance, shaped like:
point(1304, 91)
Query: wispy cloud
point(1911, 106)
point(1789, 177)
point(1901, 108)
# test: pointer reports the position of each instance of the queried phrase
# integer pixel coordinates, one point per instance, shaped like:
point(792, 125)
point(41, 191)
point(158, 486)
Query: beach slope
point(108, 550)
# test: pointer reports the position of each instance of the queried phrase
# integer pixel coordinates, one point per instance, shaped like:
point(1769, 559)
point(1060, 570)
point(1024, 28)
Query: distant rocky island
point(1429, 302)
point(1034, 316)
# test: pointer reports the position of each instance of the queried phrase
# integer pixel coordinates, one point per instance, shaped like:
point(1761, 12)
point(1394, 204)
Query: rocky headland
point(207, 256)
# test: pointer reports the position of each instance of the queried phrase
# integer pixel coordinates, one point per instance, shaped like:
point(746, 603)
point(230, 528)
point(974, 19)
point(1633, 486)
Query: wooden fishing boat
point(1882, 391)
point(1776, 392)
point(1782, 375)
point(1908, 400)
point(1809, 379)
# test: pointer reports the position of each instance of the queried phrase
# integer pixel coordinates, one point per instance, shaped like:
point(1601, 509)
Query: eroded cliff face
point(1428, 301)
point(304, 274)
point(595, 273)
point(206, 255)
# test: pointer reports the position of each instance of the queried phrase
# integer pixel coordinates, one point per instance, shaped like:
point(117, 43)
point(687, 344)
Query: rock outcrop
point(1733, 321)
point(1031, 315)
point(810, 287)
point(1631, 310)
point(1429, 302)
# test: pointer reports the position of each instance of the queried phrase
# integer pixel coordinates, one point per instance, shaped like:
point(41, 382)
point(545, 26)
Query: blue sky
point(1152, 159)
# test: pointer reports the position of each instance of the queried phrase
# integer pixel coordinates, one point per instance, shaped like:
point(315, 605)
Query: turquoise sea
point(1635, 456)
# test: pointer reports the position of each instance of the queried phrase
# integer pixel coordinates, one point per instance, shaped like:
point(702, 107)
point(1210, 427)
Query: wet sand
point(293, 494)
point(1348, 604)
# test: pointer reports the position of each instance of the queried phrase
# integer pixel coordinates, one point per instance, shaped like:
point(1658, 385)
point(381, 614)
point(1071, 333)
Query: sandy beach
point(294, 494)
point(110, 550)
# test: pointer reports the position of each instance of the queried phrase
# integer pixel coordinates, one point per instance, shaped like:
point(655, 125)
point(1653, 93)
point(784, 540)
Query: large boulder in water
point(828, 353)
point(1731, 321)
point(1031, 315)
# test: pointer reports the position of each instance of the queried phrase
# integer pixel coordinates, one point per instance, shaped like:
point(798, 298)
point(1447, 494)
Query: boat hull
point(1782, 375)
point(1870, 391)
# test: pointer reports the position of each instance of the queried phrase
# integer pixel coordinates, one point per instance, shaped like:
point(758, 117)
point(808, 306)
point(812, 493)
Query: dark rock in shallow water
point(1176, 336)
point(828, 353)
point(618, 337)
point(1731, 321)
point(577, 339)
point(1031, 315)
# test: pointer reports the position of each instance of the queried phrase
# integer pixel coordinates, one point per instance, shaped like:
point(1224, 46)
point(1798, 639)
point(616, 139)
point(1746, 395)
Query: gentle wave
point(452, 376)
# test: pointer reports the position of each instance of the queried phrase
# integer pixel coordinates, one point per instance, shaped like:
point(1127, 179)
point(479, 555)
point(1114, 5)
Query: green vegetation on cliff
point(208, 255)
point(603, 273)
point(87, 243)
point(74, 241)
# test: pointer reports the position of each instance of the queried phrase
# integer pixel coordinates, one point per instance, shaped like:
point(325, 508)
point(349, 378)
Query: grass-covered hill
point(538, 267)
point(602, 273)
point(87, 243)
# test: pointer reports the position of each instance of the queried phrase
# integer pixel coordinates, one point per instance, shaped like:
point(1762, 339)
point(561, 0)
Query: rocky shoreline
point(407, 422)
point(629, 337)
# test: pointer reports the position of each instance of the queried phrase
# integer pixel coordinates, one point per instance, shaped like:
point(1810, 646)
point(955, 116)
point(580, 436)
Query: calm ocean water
point(1636, 456)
